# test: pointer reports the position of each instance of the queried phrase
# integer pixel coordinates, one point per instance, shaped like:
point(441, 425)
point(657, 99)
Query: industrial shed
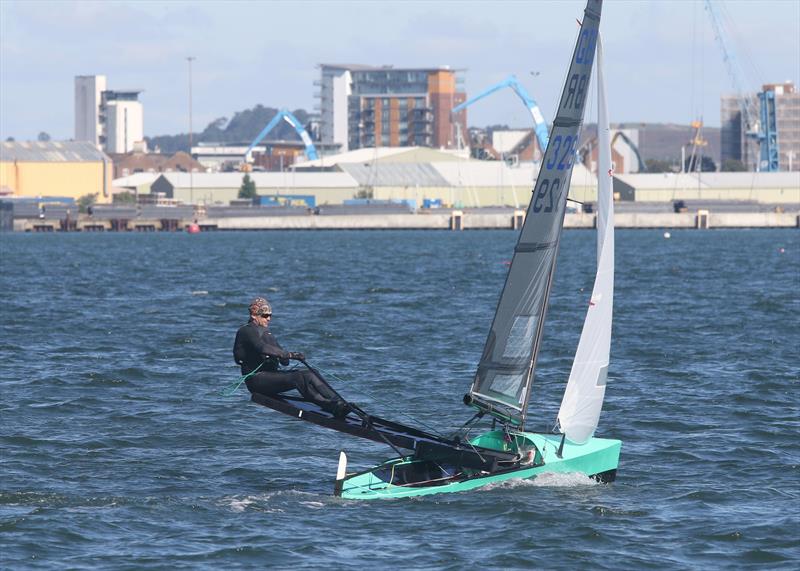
point(69, 169)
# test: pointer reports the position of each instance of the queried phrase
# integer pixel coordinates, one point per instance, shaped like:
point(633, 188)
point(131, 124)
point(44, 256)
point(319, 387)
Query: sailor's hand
point(284, 358)
point(297, 356)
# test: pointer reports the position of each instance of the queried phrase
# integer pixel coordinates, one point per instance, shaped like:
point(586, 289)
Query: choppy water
point(117, 451)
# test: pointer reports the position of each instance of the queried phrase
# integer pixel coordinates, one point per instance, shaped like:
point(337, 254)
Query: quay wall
point(442, 220)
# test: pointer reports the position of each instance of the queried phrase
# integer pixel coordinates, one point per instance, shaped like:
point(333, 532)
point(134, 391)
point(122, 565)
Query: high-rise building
point(111, 120)
point(88, 97)
point(737, 145)
point(124, 120)
point(365, 106)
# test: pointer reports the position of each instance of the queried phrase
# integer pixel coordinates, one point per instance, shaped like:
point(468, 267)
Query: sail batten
point(507, 366)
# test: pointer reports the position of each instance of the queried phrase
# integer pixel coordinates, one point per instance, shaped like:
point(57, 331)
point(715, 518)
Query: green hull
point(598, 458)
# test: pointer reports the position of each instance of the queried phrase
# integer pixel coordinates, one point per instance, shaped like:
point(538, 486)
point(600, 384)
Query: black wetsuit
point(254, 344)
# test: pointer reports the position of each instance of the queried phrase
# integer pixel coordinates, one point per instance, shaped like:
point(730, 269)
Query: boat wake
point(546, 480)
point(273, 502)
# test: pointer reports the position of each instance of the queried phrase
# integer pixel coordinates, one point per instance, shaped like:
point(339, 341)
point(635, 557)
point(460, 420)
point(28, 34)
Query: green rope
point(231, 388)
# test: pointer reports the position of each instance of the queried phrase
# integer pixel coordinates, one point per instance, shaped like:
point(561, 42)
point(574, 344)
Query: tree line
point(242, 128)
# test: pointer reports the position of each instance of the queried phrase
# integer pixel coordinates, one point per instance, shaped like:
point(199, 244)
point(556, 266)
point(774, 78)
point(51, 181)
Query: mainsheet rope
point(231, 388)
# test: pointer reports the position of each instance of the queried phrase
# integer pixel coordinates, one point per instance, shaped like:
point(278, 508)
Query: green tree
point(733, 165)
point(248, 188)
point(124, 198)
point(85, 201)
point(43, 137)
point(706, 164)
point(658, 165)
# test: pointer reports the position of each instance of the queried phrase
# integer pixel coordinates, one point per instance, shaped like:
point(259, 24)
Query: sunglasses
point(267, 315)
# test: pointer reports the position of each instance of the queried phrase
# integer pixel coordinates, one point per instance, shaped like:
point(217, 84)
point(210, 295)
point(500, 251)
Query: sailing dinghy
point(501, 389)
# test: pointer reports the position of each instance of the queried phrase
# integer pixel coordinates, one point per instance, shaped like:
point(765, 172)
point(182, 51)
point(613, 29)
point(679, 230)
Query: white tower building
point(124, 120)
point(335, 89)
point(112, 120)
point(88, 99)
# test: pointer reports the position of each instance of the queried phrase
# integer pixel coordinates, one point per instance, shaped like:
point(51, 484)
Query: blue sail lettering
point(580, 93)
point(567, 147)
point(543, 188)
point(573, 85)
point(556, 142)
point(586, 45)
point(555, 193)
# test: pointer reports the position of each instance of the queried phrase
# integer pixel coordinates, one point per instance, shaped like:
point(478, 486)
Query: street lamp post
point(190, 59)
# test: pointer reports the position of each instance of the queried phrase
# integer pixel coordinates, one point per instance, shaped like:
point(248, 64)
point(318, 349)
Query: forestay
point(506, 369)
point(583, 398)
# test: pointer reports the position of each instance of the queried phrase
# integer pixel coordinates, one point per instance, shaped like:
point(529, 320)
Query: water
point(118, 453)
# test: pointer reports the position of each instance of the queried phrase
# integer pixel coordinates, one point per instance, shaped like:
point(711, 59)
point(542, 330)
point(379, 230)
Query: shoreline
point(452, 220)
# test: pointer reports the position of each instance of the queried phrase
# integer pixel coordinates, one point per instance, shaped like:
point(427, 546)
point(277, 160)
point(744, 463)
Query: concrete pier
point(444, 219)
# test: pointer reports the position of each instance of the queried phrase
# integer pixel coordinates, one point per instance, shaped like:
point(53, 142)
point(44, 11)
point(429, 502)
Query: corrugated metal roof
point(50, 152)
point(136, 179)
point(357, 156)
point(263, 180)
point(484, 174)
point(721, 180)
point(372, 154)
point(498, 173)
point(395, 174)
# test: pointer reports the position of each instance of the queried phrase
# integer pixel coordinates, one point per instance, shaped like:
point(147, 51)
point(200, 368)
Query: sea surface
point(118, 452)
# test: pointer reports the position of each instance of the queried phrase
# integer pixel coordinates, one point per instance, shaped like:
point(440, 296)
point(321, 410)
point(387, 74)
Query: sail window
point(602, 377)
point(520, 338)
point(508, 385)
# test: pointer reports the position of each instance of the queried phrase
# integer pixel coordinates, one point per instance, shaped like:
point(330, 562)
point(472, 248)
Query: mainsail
point(583, 398)
point(506, 369)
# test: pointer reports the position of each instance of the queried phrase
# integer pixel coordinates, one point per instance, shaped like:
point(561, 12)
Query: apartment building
point(365, 106)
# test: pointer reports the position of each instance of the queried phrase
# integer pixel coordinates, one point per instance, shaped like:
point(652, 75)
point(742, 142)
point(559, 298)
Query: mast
point(506, 370)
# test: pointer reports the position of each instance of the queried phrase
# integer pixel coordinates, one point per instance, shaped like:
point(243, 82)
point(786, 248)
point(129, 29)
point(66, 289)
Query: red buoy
point(193, 228)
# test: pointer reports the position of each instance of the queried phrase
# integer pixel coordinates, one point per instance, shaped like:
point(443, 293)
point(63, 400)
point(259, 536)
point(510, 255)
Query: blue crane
point(761, 127)
point(284, 115)
point(540, 127)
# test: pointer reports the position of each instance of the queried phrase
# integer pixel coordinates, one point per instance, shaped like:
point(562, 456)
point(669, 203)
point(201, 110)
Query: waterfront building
point(734, 190)
point(68, 169)
point(124, 120)
point(736, 145)
point(88, 97)
point(222, 188)
point(138, 161)
point(113, 120)
point(412, 175)
point(364, 106)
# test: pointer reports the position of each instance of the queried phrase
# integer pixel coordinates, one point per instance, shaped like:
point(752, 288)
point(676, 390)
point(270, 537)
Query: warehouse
point(68, 169)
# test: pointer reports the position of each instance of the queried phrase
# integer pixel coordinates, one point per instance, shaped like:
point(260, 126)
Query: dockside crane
point(759, 126)
point(284, 115)
point(511, 82)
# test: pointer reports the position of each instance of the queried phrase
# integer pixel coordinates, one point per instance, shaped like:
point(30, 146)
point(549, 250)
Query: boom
point(285, 115)
point(540, 127)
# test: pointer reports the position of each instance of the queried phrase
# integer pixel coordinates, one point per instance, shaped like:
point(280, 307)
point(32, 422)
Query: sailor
point(255, 347)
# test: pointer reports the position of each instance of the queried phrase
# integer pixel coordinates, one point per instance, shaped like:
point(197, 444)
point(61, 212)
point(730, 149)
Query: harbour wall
point(441, 220)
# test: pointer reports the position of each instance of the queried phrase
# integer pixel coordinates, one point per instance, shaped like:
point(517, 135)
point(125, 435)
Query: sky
point(663, 63)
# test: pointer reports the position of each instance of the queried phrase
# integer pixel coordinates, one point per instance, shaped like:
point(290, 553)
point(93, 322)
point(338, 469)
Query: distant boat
point(501, 388)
